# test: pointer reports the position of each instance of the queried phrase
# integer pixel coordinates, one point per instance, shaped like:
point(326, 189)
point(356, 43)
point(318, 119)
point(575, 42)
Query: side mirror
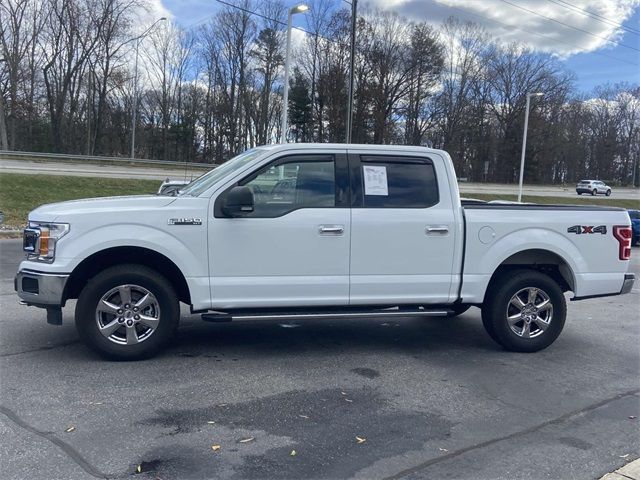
point(239, 202)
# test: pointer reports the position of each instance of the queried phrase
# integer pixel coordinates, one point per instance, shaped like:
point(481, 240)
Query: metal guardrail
point(63, 157)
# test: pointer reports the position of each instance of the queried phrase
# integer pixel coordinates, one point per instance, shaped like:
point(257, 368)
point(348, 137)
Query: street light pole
point(354, 9)
point(287, 63)
point(135, 86)
point(524, 141)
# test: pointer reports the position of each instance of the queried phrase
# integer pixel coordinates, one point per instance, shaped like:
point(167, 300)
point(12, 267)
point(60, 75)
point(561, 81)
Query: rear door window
point(397, 182)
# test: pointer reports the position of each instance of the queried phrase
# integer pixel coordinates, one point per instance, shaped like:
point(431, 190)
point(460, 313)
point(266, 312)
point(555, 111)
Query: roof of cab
point(350, 146)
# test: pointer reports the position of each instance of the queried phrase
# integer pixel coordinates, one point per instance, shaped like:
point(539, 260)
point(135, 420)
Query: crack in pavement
point(535, 428)
point(51, 437)
point(40, 349)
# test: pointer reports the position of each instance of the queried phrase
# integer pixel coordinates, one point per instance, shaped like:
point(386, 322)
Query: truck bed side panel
point(496, 232)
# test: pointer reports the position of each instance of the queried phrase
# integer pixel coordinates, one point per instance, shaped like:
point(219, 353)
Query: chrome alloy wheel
point(128, 314)
point(529, 312)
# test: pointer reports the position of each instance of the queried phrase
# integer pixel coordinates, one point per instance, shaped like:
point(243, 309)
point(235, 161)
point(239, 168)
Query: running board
point(227, 317)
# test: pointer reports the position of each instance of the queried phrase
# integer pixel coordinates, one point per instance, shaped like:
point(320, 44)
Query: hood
point(59, 211)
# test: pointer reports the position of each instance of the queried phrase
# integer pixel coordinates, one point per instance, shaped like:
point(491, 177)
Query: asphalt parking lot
point(414, 398)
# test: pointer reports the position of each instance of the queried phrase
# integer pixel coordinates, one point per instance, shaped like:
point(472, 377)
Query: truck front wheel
point(524, 311)
point(127, 312)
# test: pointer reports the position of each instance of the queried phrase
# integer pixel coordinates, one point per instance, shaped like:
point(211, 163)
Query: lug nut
point(127, 306)
point(120, 319)
point(129, 322)
point(137, 317)
point(135, 309)
point(120, 311)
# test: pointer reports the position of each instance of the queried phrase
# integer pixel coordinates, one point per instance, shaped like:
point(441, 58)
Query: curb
point(631, 471)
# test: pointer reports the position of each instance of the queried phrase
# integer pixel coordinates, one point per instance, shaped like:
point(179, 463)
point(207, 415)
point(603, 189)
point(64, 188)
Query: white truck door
point(402, 229)
point(293, 249)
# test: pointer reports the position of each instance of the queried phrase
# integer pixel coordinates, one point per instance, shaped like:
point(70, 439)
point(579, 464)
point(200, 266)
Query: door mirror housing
point(239, 202)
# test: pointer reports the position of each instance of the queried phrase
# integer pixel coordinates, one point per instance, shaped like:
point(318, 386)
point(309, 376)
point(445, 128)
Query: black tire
point(457, 310)
point(487, 324)
point(128, 274)
point(608, 194)
point(594, 192)
point(496, 307)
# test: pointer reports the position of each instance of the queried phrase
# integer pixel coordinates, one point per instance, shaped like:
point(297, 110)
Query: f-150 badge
point(580, 229)
point(184, 221)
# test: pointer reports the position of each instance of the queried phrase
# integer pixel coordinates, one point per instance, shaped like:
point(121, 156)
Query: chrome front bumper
point(627, 285)
point(41, 289)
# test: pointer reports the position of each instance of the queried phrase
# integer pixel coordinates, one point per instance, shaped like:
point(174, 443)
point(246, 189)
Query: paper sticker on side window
point(375, 180)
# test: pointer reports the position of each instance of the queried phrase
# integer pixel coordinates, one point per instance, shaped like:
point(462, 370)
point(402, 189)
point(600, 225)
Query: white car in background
point(594, 187)
point(172, 187)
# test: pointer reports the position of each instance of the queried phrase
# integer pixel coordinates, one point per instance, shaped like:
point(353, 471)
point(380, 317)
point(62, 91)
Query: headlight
point(39, 240)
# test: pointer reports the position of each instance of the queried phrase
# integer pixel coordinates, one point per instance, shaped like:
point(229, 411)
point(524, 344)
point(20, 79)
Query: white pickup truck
point(318, 230)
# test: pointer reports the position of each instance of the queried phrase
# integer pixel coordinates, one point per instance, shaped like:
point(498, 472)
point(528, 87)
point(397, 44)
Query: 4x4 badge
point(580, 229)
point(184, 221)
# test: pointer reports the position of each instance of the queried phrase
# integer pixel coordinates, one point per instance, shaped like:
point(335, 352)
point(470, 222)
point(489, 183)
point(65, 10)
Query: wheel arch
point(541, 260)
point(112, 256)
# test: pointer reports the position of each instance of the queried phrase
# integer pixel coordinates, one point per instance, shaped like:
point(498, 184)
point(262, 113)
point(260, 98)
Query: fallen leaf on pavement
point(247, 440)
point(343, 393)
point(348, 400)
point(443, 449)
point(70, 429)
point(632, 417)
point(139, 469)
point(624, 456)
point(293, 453)
point(210, 422)
point(215, 448)
point(303, 416)
point(360, 439)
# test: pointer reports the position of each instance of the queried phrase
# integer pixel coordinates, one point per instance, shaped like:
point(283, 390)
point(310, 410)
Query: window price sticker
point(375, 180)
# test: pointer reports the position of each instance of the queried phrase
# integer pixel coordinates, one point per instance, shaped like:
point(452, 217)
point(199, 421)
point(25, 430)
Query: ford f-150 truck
point(322, 231)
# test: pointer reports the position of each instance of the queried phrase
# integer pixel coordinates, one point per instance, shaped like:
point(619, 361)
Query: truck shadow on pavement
point(275, 338)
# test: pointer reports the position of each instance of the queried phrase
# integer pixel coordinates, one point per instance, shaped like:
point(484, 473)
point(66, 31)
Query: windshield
point(201, 184)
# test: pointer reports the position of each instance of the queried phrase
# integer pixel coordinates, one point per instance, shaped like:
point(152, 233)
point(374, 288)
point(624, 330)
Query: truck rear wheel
point(127, 312)
point(524, 311)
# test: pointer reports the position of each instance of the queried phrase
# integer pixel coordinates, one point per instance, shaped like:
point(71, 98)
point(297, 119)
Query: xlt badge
point(184, 221)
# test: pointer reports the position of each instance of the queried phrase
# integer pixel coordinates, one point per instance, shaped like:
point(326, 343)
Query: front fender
point(186, 251)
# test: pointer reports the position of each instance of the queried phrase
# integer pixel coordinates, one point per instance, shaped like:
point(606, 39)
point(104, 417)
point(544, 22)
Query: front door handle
point(437, 230)
point(331, 229)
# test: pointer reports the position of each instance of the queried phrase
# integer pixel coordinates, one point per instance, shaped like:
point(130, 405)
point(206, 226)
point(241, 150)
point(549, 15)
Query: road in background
point(161, 173)
point(541, 190)
point(431, 398)
point(98, 170)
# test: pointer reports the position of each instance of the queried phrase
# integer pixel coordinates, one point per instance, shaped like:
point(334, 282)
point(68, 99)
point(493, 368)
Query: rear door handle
point(437, 230)
point(331, 229)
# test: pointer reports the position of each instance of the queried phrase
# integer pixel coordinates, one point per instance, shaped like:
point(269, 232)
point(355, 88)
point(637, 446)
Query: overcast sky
point(585, 34)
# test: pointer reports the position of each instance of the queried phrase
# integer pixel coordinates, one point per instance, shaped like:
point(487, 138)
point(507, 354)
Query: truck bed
point(579, 237)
